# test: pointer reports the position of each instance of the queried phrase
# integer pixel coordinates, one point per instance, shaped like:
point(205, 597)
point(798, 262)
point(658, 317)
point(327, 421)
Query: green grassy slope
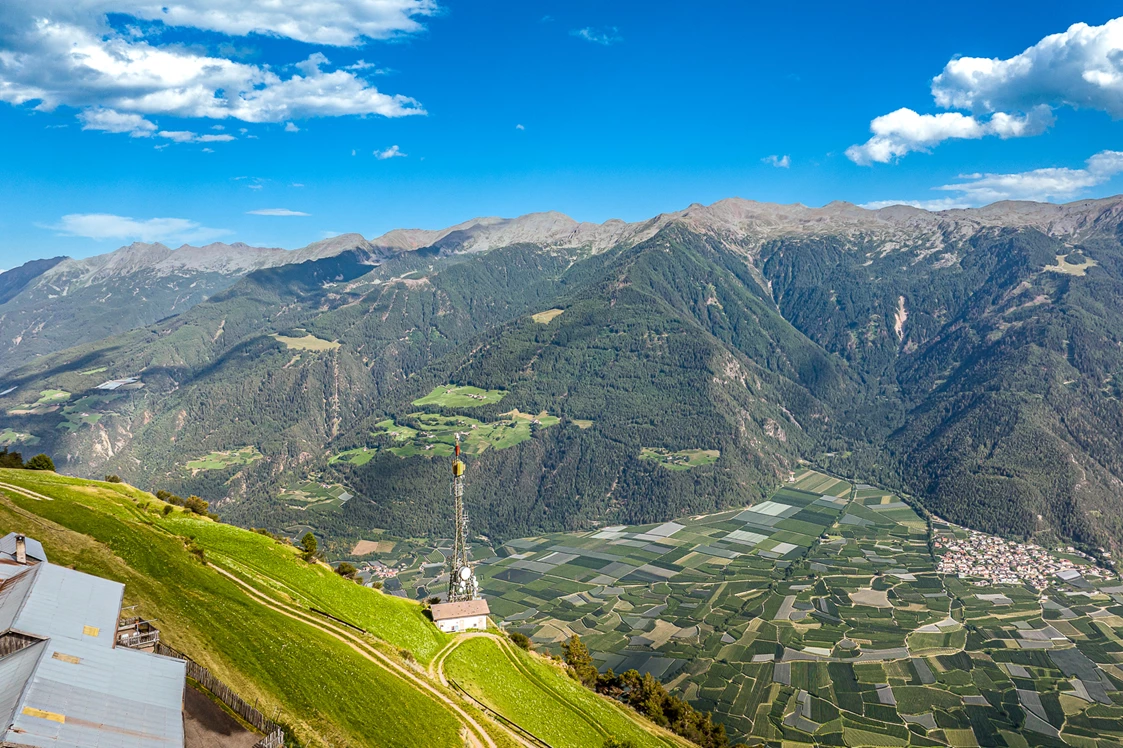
point(325, 691)
point(528, 691)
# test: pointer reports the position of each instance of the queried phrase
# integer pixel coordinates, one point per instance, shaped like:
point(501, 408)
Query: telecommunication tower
point(462, 584)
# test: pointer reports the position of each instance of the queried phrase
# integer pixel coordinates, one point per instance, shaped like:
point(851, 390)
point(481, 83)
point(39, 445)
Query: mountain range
point(637, 371)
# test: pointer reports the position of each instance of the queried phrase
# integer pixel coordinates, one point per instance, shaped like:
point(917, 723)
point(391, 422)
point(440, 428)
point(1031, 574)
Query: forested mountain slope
point(639, 371)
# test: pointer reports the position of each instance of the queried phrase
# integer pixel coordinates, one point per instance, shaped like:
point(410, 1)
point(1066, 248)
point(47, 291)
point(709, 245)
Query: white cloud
point(391, 152)
point(57, 52)
point(186, 136)
point(780, 162)
point(108, 120)
point(1079, 67)
point(947, 203)
point(297, 184)
point(208, 150)
point(519, 127)
point(102, 226)
point(275, 212)
point(904, 131)
point(290, 127)
point(1053, 183)
point(605, 36)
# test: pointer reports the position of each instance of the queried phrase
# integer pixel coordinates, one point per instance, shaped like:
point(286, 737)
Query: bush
point(376, 584)
point(112, 479)
point(196, 505)
point(10, 459)
point(168, 509)
point(41, 462)
point(520, 640)
point(580, 661)
point(615, 742)
point(346, 570)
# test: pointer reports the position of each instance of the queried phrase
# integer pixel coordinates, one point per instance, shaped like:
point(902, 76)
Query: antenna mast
point(462, 584)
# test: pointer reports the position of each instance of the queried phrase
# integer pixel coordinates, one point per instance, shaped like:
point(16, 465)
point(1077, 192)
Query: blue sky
point(134, 120)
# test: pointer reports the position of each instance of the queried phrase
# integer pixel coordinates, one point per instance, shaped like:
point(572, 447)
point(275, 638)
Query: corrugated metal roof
point(110, 698)
point(34, 547)
point(15, 672)
point(75, 688)
point(64, 602)
point(14, 592)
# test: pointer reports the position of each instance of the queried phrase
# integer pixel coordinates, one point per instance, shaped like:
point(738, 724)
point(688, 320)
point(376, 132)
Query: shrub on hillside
point(40, 462)
point(520, 640)
point(112, 479)
point(10, 459)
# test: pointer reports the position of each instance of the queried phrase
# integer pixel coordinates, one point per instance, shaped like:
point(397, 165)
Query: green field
point(357, 456)
point(805, 617)
point(90, 372)
point(307, 343)
point(226, 458)
point(526, 691)
point(314, 495)
point(309, 678)
point(452, 396)
point(85, 411)
point(264, 655)
point(10, 438)
point(48, 402)
point(681, 460)
point(433, 435)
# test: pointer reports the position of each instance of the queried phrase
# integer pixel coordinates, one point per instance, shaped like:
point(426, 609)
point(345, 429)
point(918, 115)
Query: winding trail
point(476, 732)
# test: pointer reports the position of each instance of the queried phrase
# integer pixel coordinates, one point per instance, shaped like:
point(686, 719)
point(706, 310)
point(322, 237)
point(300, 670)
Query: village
point(991, 560)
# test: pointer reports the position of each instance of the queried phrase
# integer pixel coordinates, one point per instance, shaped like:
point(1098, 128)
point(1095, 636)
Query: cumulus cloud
point(904, 131)
point(291, 127)
point(519, 127)
point(780, 162)
point(1052, 183)
point(102, 226)
point(604, 36)
point(1081, 67)
point(391, 152)
point(275, 212)
point(108, 120)
point(59, 53)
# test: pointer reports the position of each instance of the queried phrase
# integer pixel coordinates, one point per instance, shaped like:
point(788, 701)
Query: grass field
point(433, 435)
point(358, 456)
point(309, 676)
point(1079, 268)
point(544, 318)
point(523, 689)
point(307, 343)
point(224, 459)
point(681, 460)
point(85, 411)
point(313, 495)
point(10, 438)
point(452, 396)
point(48, 402)
point(90, 372)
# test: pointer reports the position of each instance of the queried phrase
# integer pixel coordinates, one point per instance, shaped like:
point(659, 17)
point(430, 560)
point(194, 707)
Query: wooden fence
point(274, 734)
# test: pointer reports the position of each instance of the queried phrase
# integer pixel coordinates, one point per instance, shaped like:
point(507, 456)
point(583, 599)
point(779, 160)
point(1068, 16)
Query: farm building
point(63, 679)
point(461, 616)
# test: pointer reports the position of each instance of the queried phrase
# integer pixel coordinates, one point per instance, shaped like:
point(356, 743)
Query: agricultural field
point(817, 617)
point(91, 372)
point(224, 459)
point(84, 411)
point(546, 317)
point(681, 460)
point(358, 456)
point(307, 343)
point(314, 495)
point(48, 402)
point(433, 435)
point(452, 396)
point(10, 438)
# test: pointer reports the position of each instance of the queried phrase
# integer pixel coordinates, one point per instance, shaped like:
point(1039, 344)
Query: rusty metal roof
point(445, 611)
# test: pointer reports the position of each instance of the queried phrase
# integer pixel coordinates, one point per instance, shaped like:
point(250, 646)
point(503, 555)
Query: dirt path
point(476, 732)
point(25, 492)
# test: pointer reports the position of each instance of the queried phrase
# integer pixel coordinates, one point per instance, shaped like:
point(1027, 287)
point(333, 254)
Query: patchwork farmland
point(817, 617)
